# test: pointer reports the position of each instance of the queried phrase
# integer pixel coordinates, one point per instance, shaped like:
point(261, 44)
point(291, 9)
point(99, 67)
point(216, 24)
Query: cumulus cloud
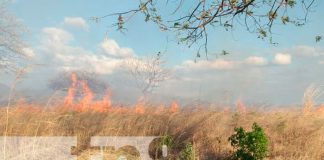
point(87, 62)
point(305, 50)
point(56, 36)
point(282, 59)
point(111, 47)
point(77, 22)
point(255, 60)
point(222, 64)
point(28, 52)
point(206, 64)
point(56, 44)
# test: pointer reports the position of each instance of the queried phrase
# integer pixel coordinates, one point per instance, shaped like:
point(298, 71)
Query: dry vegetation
point(292, 134)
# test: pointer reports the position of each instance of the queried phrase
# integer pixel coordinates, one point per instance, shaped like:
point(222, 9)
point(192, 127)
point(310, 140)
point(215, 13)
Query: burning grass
point(293, 133)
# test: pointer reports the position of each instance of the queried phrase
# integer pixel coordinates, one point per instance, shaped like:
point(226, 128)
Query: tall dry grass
point(292, 134)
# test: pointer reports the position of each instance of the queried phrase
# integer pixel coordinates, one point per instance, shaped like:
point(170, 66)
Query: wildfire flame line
point(87, 103)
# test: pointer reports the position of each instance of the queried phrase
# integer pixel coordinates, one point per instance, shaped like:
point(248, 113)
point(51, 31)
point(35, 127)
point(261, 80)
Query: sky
point(62, 37)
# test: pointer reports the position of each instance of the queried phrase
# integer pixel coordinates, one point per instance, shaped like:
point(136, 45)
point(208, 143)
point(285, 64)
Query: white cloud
point(282, 59)
point(255, 60)
point(56, 44)
point(56, 36)
point(88, 62)
point(78, 22)
point(222, 64)
point(212, 64)
point(321, 62)
point(28, 52)
point(305, 50)
point(111, 47)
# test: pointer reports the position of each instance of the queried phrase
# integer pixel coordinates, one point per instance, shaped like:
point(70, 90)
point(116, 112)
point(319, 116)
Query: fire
point(24, 106)
point(159, 109)
point(174, 107)
point(320, 110)
point(120, 109)
point(240, 106)
point(139, 107)
point(226, 110)
point(87, 97)
point(87, 102)
point(71, 91)
point(105, 104)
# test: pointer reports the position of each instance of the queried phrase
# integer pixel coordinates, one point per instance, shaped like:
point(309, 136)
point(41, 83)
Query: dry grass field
point(292, 133)
point(178, 80)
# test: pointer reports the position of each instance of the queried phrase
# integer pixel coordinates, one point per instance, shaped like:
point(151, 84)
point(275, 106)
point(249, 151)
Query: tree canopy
point(191, 20)
point(11, 43)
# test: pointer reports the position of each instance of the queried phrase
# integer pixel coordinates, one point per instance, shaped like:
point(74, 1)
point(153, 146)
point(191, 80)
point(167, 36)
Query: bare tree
point(191, 20)
point(11, 43)
point(312, 94)
point(148, 73)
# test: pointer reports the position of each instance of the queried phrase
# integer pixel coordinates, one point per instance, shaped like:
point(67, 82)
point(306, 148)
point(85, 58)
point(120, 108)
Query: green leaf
point(143, 7)
point(318, 38)
point(262, 33)
point(228, 25)
point(177, 24)
point(158, 18)
point(147, 17)
point(224, 52)
point(251, 145)
point(272, 15)
point(186, 26)
point(291, 3)
point(285, 19)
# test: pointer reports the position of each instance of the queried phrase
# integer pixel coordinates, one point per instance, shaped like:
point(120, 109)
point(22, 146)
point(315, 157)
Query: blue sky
point(62, 37)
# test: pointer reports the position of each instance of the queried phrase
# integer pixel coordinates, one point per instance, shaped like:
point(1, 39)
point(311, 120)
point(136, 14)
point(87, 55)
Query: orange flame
point(105, 105)
point(240, 106)
point(226, 110)
point(24, 106)
point(174, 107)
point(86, 103)
point(120, 109)
point(139, 107)
point(320, 109)
point(159, 109)
point(71, 91)
point(87, 97)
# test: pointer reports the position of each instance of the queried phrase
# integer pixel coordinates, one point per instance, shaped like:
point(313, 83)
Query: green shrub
point(188, 153)
point(249, 145)
point(168, 141)
point(157, 148)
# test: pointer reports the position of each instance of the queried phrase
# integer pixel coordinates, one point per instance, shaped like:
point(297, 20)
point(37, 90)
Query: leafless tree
point(312, 94)
point(191, 20)
point(148, 73)
point(11, 43)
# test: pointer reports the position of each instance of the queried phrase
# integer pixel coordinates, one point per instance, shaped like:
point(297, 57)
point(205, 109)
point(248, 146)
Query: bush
point(168, 141)
point(158, 145)
point(187, 153)
point(249, 145)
